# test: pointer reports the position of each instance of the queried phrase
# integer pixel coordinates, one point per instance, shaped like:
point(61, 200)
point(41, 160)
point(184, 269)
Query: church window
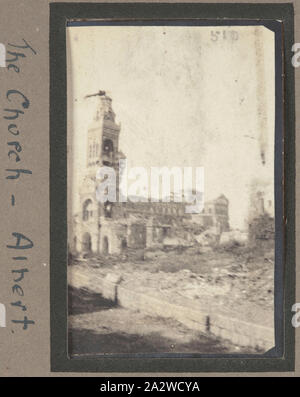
point(108, 209)
point(87, 210)
point(108, 147)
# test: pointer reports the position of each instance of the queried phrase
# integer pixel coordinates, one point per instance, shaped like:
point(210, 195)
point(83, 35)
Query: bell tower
point(103, 136)
point(102, 150)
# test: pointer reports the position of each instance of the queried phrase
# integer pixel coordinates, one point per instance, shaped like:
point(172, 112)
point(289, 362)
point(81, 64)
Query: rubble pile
point(238, 281)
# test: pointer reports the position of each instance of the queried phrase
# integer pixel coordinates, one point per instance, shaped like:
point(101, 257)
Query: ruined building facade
point(261, 222)
point(111, 228)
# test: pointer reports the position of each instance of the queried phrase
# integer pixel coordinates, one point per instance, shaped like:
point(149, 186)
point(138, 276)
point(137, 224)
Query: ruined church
point(110, 228)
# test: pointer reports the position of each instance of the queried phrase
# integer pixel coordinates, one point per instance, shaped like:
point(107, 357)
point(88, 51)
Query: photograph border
point(282, 357)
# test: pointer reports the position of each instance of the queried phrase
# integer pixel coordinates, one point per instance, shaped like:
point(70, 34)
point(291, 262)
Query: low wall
point(239, 332)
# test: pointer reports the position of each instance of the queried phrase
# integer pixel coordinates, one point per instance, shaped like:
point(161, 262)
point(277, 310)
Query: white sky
point(182, 100)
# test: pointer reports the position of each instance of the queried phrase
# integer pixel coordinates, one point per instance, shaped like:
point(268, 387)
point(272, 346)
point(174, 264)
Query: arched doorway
point(86, 243)
point(105, 249)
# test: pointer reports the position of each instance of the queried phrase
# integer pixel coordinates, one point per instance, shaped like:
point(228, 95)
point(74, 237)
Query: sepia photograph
point(171, 224)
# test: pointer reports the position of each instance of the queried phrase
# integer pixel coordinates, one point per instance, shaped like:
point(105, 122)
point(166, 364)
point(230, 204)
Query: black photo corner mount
point(280, 19)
